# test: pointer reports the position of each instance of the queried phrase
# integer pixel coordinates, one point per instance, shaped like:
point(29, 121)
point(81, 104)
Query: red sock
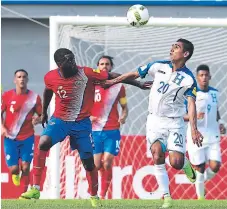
point(92, 178)
point(106, 177)
point(39, 164)
point(25, 182)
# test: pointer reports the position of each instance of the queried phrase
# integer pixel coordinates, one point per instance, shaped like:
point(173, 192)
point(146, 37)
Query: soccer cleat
point(190, 172)
point(33, 193)
point(201, 198)
point(167, 202)
point(95, 202)
point(16, 179)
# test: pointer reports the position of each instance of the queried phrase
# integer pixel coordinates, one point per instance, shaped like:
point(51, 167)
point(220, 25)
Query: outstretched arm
point(130, 80)
point(47, 96)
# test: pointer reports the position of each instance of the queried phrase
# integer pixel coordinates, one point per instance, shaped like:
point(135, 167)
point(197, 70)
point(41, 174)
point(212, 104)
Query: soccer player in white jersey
point(173, 82)
point(210, 125)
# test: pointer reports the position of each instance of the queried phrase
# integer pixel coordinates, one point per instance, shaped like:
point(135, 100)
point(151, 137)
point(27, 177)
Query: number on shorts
point(178, 139)
point(117, 144)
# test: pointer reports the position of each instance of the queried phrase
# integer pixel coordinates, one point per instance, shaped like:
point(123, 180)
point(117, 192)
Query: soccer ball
point(138, 15)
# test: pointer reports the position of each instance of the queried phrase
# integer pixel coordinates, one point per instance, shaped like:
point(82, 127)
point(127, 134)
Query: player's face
point(68, 66)
point(177, 52)
point(21, 80)
point(104, 64)
point(203, 77)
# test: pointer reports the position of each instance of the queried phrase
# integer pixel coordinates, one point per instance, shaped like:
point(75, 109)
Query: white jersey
point(169, 89)
point(207, 103)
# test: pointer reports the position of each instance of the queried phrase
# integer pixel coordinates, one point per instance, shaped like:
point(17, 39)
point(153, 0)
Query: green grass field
point(109, 204)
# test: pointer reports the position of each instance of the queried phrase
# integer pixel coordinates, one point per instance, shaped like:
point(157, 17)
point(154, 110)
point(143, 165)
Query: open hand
point(197, 138)
point(146, 85)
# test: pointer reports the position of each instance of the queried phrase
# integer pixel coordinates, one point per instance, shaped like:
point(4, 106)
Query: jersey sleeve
point(122, 96)
point(96, 74)
point(38, 106)
point(4, 102)
point(151, 68)
point(191, 91)
point(48, 81)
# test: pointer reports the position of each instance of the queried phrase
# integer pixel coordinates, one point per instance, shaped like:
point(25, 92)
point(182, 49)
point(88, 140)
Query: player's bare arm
point(200, 115)
point(123, 77)
point(124, 111)
point(222, 127)
point(131, 81)
point(4, 130)
point(196, 135)
point(36, 119)
point(47, 96)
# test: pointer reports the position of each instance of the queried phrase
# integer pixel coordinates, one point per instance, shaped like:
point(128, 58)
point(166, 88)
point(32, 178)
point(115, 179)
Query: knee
point(200, 168)
point(177, 161)
point(14, 170)
point(215, 167)
point(25, 168)
point(98, 165)
point(88, 164)
point(45, 143)
point(107, 164)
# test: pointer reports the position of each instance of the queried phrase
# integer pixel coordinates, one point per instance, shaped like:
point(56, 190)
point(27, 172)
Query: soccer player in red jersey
point(106, 123)
point(19, 107)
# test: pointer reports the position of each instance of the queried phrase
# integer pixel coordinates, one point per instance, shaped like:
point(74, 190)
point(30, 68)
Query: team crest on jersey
point(194, 91)
point(96, 70)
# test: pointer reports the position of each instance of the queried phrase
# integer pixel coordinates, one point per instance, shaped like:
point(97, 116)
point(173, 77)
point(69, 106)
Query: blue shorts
point(107, 141)
point(18, 149)
point(79, 132)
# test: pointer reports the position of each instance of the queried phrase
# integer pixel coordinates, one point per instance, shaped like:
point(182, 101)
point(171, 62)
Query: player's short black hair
point(188, 46)
point(21, 70)
point(203, 67)
point(106, 57)
point(59, 55)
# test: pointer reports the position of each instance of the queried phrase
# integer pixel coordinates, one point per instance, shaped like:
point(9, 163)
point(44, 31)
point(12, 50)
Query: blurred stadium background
point(25, 44)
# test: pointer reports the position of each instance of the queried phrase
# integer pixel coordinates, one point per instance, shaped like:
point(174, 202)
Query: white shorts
point(200, 155)
point(170, 132)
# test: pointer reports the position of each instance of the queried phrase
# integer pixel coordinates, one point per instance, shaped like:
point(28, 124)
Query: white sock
point(162, 179)
point(37, 187)
point(199, 184)
point(209, 174)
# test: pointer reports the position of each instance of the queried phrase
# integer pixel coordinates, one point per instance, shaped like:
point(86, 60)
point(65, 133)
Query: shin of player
point(173, 82)
point(106, 123)
point(208, 117)
point(19, 106)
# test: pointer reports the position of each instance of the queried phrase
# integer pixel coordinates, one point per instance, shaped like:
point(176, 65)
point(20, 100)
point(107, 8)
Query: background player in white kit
point(173, 82)
point(210, 125)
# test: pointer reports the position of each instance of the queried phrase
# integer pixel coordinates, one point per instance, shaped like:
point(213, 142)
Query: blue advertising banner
point(121, 2)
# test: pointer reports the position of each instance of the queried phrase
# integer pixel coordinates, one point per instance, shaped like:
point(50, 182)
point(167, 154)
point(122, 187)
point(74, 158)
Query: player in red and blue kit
point(106, 123)
point(74, 89)
point(19, 107)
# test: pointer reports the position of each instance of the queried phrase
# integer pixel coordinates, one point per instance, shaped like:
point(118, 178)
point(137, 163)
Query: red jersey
point(20, 109)
point(106, 107)
point(74, 97)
